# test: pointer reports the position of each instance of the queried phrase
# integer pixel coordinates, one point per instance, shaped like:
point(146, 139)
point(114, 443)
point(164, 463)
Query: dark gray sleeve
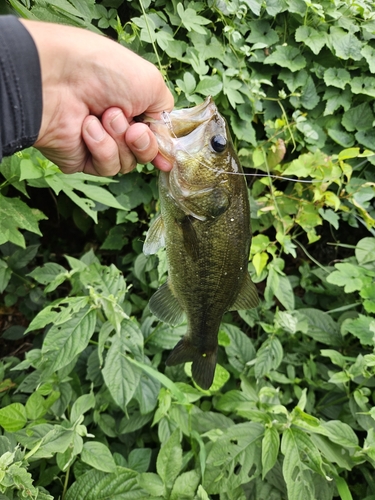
point(20, 87)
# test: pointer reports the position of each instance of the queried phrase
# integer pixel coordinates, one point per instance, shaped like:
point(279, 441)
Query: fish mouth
point(180, 123)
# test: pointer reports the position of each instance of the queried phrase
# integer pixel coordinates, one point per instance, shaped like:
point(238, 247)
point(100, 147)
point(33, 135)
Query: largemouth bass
point(205, 226)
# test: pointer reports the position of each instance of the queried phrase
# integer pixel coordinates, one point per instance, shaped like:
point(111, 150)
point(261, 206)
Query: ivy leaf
point(191, 20)
point(314, 39)
point(330, 216)
point(309, 98)
point(254, 6)
point(360, 117)
point(209, 85)
point(286, 57)
point(262, 33)
point(335, 99)
point(16, 215)
point(365, 250)
point(346, 45)
point(369, 54)
point(363, 85)
point(230, 89)
point(362, 327)
point(337, 77)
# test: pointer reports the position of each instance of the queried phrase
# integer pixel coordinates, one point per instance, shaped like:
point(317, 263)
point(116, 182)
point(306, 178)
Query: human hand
point(92, 90)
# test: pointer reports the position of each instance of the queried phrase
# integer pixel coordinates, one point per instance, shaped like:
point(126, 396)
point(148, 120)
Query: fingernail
point(95, 130)
point(119, 123)
point(142, 142)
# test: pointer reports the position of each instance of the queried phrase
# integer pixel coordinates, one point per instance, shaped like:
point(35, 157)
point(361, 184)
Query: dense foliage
point(88, 409)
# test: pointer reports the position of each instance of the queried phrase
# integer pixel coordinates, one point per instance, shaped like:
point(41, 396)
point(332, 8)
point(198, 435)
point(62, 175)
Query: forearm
point(20, 87)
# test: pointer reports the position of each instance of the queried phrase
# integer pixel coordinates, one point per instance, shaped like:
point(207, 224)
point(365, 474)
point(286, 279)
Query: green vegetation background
point(88, 409)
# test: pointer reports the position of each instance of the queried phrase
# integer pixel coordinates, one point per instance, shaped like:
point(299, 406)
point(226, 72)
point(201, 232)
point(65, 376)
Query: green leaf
point(98, 456)
point(365, 250)
point(98, 485)
point(342, 488)
point(152, 483)
point(362, 327)
point(209, 85)
point(261, 33)
point(5, 275)
point(314, 39)
point(191, 20)
point(286, 57)
point(13, 417)
point(269, 357)
point(65, 341)
point(346, 45)
point(232, 456)
point(363, 85)
point(337, 77)
point(270, 449)
point(240, 349)
point(81, 405)
point(185, 485)
point(321, 326)
point(169, 460)
point(120, 375)
point(369, 54)
point(16, 215)
point(359, 117)
point(330, 216)
point(294, 470)
point(49, 274)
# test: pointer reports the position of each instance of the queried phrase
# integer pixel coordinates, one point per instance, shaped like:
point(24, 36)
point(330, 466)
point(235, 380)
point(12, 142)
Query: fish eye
point(218, 143)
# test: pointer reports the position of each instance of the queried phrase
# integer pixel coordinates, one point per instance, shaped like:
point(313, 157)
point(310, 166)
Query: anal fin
point(165, 306)
point(247, 297)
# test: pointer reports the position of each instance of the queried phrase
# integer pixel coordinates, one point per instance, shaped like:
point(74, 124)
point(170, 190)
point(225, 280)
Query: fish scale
point(205, 226)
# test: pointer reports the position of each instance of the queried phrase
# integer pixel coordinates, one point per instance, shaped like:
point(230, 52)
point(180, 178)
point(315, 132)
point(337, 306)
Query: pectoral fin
point(155, 238)
point(190, 238)
point(247, 297)
point(165, 306)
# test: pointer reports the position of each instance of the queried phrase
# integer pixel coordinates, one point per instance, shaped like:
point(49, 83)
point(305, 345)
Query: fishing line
point(168, 123)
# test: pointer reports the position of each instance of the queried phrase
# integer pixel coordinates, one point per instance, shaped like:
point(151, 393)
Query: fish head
point(197, 142)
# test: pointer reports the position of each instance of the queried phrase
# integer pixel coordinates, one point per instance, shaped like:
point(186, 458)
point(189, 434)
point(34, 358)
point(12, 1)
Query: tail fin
point(203, 368)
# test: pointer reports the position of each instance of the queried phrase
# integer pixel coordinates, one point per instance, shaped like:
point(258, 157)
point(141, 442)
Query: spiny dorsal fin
point(165, 306)
point(155, 238)
point(247, 297)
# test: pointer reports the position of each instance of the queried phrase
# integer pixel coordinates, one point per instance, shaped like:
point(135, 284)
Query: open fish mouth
point(181, 122)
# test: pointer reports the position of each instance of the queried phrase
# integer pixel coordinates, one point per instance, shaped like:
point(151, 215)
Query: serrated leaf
point(169, 460)
point(98, 456)
point(65, 341)
point(185, 485)
point(191, 20)
point(269, 357)
point(16, 215)
point(97, 485)
point(240, 349)
point(120, 375)
point(270, 449)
